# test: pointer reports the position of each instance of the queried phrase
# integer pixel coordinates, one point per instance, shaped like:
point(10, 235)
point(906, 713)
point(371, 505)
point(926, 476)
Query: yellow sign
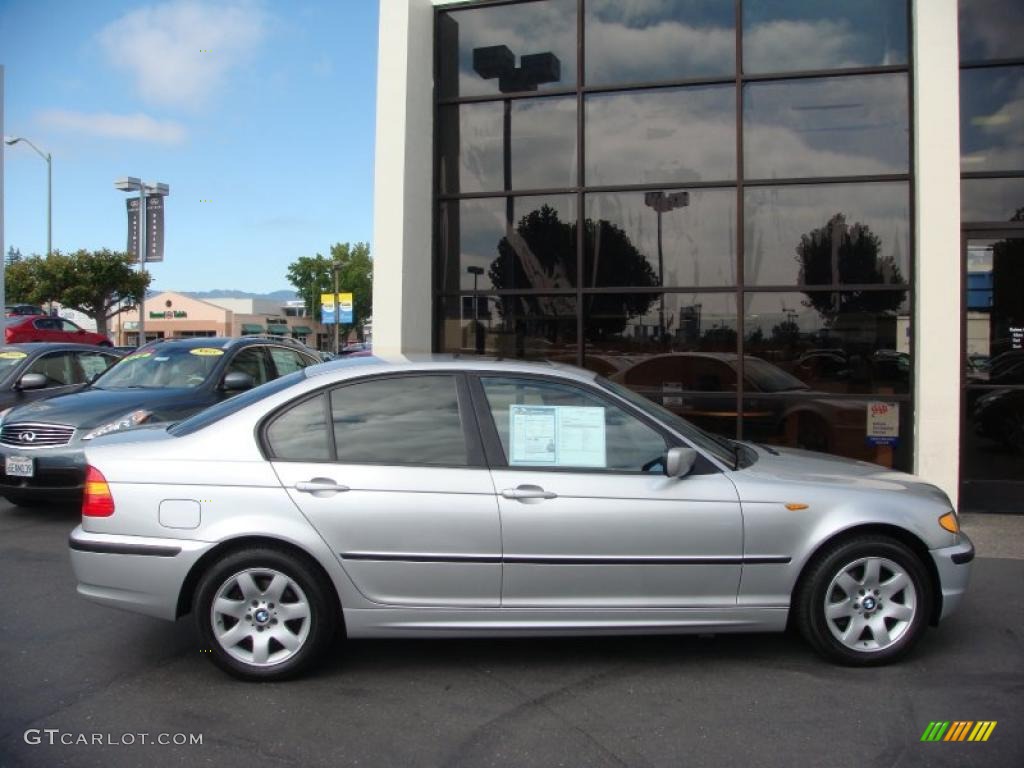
point(206, 351)
point(327, 300)
point(12, 355)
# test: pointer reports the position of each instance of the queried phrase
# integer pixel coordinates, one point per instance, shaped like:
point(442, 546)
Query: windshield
point(234, 404)
point(162, 368)
point(9, 360)
point(769, 378)
point(719, 447)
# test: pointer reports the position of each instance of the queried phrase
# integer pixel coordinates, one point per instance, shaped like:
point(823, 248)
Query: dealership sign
point(327, 308)
point(177, 314)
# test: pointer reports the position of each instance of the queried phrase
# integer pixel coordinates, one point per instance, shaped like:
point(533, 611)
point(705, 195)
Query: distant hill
point(284, 295)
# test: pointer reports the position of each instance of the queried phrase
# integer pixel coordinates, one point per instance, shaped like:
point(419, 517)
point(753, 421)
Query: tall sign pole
point(142, 264)
point(337, 314)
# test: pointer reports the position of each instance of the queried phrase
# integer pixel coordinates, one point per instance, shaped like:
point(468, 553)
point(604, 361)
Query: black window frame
point(739, 79)
point(475, 456)
point(495, 451)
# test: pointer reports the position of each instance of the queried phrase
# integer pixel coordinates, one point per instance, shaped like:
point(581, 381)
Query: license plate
point(20, 466)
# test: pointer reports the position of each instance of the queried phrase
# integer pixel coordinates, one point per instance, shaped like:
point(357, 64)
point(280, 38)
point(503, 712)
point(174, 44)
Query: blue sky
point(264, 109)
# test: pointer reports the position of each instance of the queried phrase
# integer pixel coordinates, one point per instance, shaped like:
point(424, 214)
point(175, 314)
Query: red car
point(45, 328)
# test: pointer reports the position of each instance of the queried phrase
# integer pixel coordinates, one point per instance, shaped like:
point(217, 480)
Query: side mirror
point(236, 381)
point(679, 461)
point(32, 381)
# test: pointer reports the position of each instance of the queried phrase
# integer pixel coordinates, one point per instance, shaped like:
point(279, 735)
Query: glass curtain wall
point(992, 211)
point(707, 201)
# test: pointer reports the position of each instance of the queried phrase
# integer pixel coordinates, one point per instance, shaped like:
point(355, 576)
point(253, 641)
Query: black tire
point(831, 564)
point(319, 596)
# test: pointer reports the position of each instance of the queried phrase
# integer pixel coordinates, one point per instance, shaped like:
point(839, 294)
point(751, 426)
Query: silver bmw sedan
point(447, 497)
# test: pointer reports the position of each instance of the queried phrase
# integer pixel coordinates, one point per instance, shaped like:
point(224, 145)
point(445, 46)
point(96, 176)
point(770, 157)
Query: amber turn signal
point(948, 521)
point(795, 507)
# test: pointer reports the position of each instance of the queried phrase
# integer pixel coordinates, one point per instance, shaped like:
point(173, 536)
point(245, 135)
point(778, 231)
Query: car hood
point(794, 466)
point(95, 407)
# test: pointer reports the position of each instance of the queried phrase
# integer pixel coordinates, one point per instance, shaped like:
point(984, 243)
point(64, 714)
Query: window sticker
point(139, 355)
point(556, 436)
point(206, 351)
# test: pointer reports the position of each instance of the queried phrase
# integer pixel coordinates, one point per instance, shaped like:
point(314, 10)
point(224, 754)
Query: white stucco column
point(937, 321)
point(403, 174)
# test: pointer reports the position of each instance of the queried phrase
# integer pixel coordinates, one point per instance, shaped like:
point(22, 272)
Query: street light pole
point(337, 312)
point(11, 141)
point(662, 203)
point(131, 184)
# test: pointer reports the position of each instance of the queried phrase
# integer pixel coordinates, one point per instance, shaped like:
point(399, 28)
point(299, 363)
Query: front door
point(992, 435)
point(588, 517)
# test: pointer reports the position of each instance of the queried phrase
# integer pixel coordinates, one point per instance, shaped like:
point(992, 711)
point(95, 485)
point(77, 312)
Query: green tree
point(101, 284)
point(542, 256)
point(847, 254)
point(314, 275)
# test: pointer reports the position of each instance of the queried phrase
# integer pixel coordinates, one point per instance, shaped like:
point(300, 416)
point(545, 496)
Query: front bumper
point(59, 473)
point(953, 565)
point(135, 573)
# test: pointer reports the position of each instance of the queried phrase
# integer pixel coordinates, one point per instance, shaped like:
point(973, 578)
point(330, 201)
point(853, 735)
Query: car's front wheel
point(264, 614)
point(864, 601)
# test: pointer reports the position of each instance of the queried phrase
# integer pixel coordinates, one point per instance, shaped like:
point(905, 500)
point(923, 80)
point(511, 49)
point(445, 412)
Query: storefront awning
point(251, 328)
point(301, 330)
point(278, 328)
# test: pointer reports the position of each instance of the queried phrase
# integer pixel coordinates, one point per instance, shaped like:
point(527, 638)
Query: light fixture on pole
point(133, 184)
point(662, 203)
point(11, 141)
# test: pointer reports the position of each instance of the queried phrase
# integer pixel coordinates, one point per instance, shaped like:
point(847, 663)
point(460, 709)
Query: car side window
point(94, 363)
point(560, 426)
point(300, 433)
point(252, 361)
point(68, 327)
point(399, 420)
point(46, 324)
point(57, 367)
point(288, 360)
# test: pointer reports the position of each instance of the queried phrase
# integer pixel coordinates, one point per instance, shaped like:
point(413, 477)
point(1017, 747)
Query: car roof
point(223, 342)
point(32, 347)
point(438, 362)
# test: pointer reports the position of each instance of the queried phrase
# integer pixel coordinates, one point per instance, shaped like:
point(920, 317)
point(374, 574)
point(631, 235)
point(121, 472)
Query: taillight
point(97, 501)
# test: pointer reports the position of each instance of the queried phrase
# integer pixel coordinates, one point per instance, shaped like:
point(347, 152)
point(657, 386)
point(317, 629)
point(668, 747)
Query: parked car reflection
point(778, 408)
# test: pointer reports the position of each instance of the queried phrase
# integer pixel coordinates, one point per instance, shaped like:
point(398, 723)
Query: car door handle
point(528, 492)
point(320, 486)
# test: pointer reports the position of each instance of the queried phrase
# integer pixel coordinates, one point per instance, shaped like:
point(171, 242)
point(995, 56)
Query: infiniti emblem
point(27, 437)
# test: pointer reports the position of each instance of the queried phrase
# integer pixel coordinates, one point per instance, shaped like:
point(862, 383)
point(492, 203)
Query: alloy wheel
point(260, 616)
point(870, 603)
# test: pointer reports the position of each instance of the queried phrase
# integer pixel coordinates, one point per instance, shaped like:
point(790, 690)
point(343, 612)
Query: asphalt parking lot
point(77, 672)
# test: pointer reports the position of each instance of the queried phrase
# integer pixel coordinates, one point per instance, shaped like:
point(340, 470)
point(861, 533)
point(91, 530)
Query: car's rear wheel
point(264, 614)
point(864, 601)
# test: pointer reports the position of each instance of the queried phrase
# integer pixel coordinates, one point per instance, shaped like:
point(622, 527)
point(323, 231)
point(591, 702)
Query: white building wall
point(403, 176)
point(403, 209)
point(937, 320)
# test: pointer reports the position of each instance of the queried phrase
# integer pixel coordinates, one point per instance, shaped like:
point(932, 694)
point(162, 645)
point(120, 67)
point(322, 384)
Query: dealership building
point(795, 222)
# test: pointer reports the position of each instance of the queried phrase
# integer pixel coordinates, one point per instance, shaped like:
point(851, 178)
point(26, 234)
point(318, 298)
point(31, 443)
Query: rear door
point(390, 471)
point(588, 518)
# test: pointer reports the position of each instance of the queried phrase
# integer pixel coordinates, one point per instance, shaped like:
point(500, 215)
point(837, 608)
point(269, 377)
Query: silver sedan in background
point(445, 497)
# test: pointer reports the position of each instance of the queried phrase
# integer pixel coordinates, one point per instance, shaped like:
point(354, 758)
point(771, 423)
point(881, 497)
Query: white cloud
point(136, 127)
point(181, 52)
